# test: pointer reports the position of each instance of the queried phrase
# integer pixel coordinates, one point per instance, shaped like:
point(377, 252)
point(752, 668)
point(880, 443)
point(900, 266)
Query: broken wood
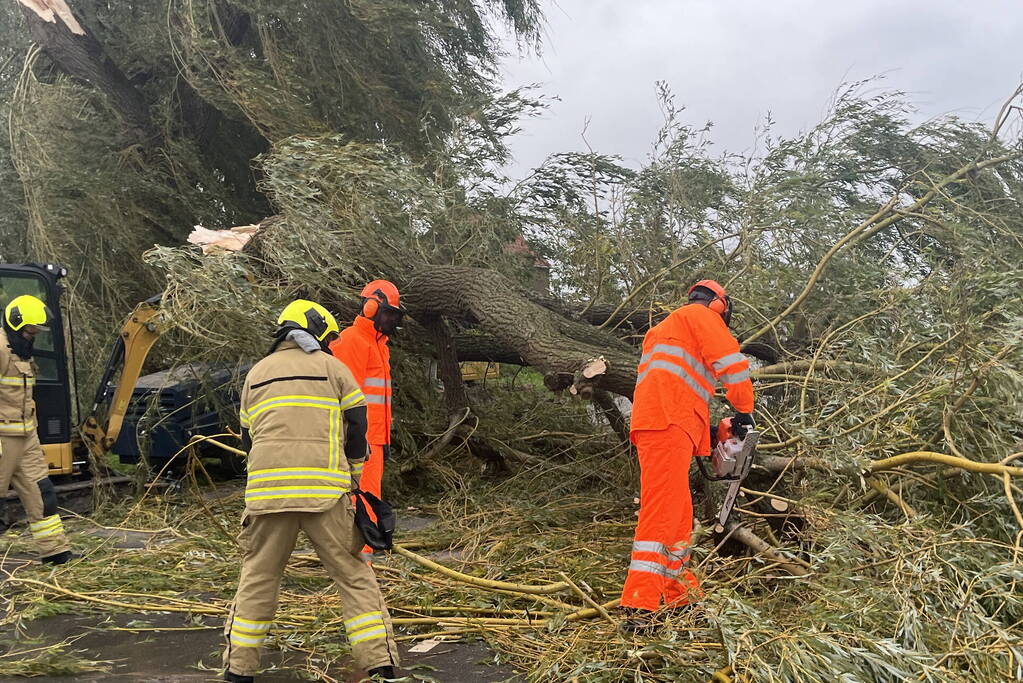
point(81, 56)
point(792, 565)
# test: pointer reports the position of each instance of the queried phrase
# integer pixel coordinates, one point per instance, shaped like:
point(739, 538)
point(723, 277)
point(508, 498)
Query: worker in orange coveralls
point(684, 357)
point(363, 348)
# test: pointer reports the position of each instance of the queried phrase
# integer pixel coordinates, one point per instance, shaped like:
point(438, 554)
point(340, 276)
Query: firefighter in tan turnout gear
point(22, 463)
point(305, 418)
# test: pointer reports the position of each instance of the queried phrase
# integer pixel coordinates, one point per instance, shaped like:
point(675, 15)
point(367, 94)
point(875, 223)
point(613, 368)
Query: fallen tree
point(884, 325)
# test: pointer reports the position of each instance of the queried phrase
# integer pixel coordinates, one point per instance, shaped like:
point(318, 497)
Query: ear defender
point(370, 306)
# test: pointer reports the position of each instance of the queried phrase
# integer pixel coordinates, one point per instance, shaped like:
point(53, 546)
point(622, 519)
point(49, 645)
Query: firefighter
point(363, 348)
point(22, 463)
point(684, 357)
point(303, 419)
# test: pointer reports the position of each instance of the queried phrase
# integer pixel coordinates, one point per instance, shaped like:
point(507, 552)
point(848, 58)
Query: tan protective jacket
point(17, 407)
point(292, 404)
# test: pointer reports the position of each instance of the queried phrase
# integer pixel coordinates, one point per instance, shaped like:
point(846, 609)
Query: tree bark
point(82, 56)
point(545, 340)
point(455, 397)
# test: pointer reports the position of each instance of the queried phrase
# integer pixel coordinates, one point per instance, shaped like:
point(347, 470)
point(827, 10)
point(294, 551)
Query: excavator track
point(76, 496)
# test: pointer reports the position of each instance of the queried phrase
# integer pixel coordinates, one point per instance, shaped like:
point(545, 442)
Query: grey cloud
point(732, 61)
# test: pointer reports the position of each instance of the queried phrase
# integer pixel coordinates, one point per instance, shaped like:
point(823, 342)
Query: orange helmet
point(715, 296)
point(381, 295)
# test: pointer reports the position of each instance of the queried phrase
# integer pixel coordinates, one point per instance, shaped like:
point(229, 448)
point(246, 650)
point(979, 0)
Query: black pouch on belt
point(379, 534)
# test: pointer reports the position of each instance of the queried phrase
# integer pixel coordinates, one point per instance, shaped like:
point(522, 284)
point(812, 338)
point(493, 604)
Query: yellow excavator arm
point(138, 334)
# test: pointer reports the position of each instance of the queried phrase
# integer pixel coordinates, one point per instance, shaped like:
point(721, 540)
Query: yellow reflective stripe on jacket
point(17, 380)
point(246, 421)
point(334, 440)
point(301, 474)
point(324, 402)
point(295, 472)
point(281, 492)
point(17, 427)
point(351, 399)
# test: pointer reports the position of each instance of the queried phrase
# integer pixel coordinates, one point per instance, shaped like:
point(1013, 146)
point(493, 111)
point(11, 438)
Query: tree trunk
point(545, 340)
point(81, 56)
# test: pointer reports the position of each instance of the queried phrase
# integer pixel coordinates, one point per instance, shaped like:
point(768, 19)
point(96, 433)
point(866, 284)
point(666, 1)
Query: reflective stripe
point(17, 427)
point(253, 625)
point(272, 492)
point(372, 633)
point(351, 399)
point(731, 359)
point(246, 421)
point(293, 401)
point(671, 554)
point(379, 382)
point(649, 547)
point(357, 468)
point(375, 399)
point(245, 641)
point(363, 619)
point(47, 526)
point(301, 473)
point(653, 568)
point(312, 489)
point(44, 522)
point(333, 430)
point(670, 350)
point(246, 631)
point(679, 371)
point(59, 529)
point(735, 377)
point(17, 380)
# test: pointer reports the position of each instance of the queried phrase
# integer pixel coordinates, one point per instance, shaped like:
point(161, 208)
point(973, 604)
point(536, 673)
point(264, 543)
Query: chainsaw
point(730, 461)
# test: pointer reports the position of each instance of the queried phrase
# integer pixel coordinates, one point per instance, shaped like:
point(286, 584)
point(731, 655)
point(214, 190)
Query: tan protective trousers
point(23, 467)
point(266, 543)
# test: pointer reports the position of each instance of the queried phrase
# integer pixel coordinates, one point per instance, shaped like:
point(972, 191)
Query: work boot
point(59, 558)
point(382, 673)
point(235, 678)
point(638, 620)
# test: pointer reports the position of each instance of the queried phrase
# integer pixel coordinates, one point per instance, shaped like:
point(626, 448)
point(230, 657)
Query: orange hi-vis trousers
point(371, 480)
point(660, 551)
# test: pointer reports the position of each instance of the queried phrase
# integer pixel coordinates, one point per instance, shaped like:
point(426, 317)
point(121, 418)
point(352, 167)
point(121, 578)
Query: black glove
point(387, 451)
point(742, 423)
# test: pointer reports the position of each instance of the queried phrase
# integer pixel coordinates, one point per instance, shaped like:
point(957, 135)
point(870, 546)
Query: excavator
point(67, 441)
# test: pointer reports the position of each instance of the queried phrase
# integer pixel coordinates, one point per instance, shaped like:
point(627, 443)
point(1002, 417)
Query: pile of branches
point(880, 536)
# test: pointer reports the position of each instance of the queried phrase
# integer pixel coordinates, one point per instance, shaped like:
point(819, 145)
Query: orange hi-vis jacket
point(365, 352)
point(684, 357)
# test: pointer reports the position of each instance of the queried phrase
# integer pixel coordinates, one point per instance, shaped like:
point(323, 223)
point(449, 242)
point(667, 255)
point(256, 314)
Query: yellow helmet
point(26, 310)
point(309, 316)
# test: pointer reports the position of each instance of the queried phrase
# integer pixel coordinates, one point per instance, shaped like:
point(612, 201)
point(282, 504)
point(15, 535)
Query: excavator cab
point(54, 379)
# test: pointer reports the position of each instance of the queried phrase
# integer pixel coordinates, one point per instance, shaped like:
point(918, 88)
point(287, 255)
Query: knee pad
point(49, 494)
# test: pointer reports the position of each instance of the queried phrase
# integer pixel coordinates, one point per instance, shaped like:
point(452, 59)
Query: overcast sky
point(733, 61)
